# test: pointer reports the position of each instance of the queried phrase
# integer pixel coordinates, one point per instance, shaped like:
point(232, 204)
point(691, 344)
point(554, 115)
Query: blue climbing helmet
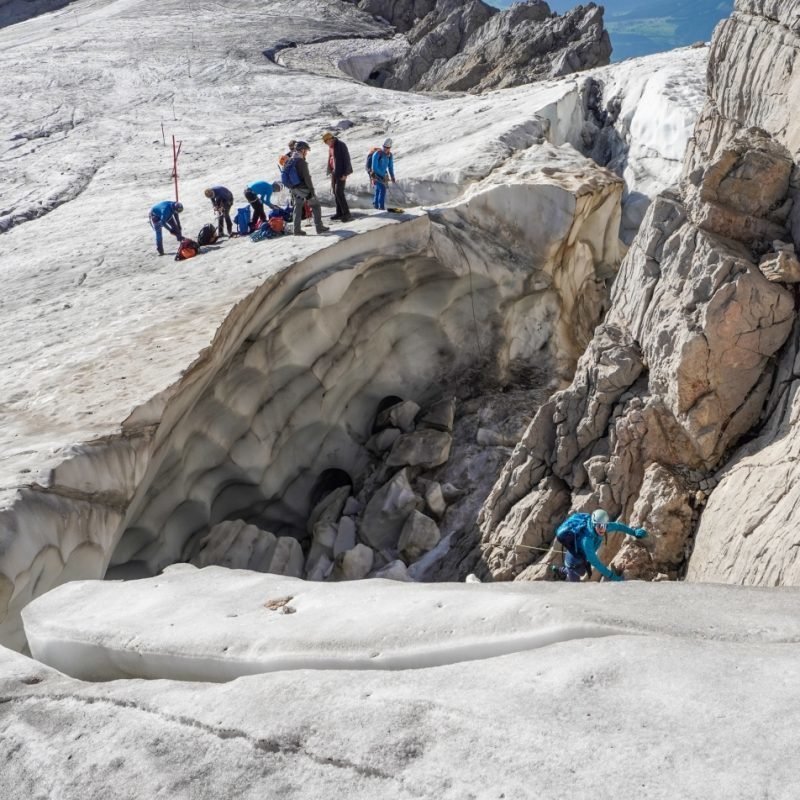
point(179, 207)
point(600, 519)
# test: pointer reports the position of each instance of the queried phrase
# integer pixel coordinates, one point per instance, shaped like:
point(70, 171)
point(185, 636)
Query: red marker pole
point(176, 151)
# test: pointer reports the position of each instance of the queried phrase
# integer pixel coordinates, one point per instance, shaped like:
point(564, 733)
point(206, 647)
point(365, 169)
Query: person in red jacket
point(339, 167)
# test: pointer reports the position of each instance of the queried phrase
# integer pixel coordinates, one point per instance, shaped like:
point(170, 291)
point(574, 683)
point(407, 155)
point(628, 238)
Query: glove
point(640, 533)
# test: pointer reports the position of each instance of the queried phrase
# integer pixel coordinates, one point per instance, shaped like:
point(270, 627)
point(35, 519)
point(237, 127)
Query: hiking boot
point(348, 218)
point(323, 229)
point(300, 233)
point(335, 216)
point(556, 574)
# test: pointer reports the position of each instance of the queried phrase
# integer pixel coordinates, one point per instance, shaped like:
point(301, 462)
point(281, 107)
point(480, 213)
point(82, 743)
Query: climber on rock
point(581, 535)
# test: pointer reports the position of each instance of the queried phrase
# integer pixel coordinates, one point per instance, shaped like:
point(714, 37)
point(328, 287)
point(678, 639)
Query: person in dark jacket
point(339, 167)
point(581, 535)
point(303, 193)
point(222, 201)
point(165, 215)
point(259, 194)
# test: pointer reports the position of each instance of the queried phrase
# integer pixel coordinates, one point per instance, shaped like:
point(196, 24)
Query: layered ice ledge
point(217, 624)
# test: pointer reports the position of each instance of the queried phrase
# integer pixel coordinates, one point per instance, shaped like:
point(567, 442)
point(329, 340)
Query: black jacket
point(341, 160)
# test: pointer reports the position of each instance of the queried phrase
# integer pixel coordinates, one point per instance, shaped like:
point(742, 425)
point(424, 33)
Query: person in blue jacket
point(259, 194)
point(382, 171)
point(581, 535)
point(222, 201)
point(165, 215)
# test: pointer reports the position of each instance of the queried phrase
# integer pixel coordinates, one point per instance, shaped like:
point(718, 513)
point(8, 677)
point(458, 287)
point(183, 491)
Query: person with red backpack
point(165, 215)
point(296, 177)
point(581, 535)
point(339, 167)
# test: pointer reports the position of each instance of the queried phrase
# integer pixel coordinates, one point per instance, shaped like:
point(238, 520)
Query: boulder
point(781, 265)
point(353, 564)
point(329, 508)
point(419, 534)
point(287, 558)
point(440, 416)
point(345, 536)
point(393, 571)
point(424, 448)
point(386, 512)
point(323, 540)
point(236, 545)
point(383, 440)
point(320, 569)
point(400, 415)
point(434, 499)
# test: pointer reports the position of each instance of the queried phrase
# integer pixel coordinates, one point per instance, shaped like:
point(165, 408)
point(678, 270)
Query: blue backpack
point(290, 177)
point(569, 532)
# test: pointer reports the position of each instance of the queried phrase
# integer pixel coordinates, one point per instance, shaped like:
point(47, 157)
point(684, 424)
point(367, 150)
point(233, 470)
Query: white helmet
point(600, 517)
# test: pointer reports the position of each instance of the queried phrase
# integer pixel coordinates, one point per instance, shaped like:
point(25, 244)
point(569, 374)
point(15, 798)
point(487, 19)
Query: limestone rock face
point(743, 193)
point(682, 366)
point(677, 372)
point(467, 45)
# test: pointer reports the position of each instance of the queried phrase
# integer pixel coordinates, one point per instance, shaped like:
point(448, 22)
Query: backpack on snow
point(188, 248)
point(207, 235)
point(290, 177)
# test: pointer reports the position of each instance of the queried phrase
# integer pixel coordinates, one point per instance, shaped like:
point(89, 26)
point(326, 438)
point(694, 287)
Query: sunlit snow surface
point(548, 691)
point(543, 691)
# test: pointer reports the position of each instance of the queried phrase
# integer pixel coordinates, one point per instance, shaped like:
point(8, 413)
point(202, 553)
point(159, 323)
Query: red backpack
point(188, 248)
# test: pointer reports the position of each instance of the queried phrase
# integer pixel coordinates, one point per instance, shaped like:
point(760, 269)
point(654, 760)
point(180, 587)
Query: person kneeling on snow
point(581, 535)
point(259, 194)
point(165, 215)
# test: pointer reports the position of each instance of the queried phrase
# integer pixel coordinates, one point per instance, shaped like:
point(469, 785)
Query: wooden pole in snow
point(176, 151)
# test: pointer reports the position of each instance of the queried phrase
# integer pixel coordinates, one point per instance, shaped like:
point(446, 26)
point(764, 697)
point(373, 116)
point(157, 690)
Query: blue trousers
point(379, 198)
point(574, 569)
point(156, 223)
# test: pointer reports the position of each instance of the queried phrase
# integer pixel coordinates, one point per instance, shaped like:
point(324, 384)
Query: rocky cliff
point(467, 45)
point(692, 358)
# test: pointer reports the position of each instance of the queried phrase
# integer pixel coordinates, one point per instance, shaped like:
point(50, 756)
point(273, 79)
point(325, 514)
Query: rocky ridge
point(467, 45)
point(690, 358)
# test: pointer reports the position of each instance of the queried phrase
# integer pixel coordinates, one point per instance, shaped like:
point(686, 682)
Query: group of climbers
point(296, 178)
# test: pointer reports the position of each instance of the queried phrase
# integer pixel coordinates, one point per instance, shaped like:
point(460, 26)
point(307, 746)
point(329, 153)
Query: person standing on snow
point(222, 201)
point(382, 171)
point(581, 535)
point(259, 194)
point(165, 215)
point(339, 167)
point(303, 191)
